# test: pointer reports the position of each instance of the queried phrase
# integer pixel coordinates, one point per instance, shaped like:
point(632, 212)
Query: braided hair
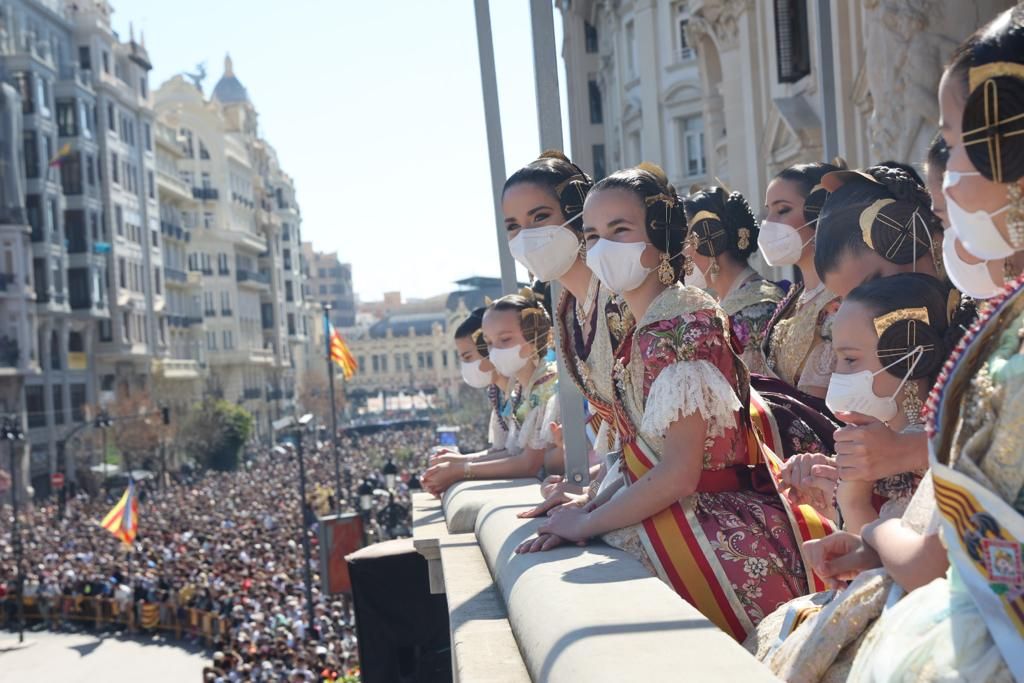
point(880, 208)
point(664, 218)
point(568, 183)
point(721, 222)
point(935, 323)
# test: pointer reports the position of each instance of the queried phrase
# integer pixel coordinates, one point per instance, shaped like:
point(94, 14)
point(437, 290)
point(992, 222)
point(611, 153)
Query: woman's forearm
point(495, 454)
point(523, 465)
point(655, 491)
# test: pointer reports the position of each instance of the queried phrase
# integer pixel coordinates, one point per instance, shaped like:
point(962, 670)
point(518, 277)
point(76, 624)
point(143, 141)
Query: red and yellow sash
point(674, 537)
point(808, 525)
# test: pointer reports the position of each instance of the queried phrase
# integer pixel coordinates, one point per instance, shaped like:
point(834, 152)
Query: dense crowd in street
point(225, 543)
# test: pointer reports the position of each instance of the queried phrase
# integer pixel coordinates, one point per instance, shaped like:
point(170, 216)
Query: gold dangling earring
point(911, 403)
point(713, 271)
point(1015, 215)
point(583, 250)
point(666, 275)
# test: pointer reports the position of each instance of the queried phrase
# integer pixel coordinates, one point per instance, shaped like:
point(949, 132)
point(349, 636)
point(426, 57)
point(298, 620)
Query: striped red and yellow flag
point(340, 353)
point(123, 519)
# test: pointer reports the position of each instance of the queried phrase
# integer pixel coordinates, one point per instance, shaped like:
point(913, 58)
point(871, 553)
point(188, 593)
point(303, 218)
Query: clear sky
point(375, 110)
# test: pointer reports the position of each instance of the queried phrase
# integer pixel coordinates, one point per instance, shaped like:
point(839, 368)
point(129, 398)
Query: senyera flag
point(340, 353)
point(123, 519)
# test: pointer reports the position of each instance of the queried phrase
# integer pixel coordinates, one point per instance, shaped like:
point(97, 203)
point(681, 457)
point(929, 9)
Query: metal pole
point(61, 448)
point(549, 123)
point(334, 410)
point(495, 145)
point(305, 534)
point(16, 533)
point(826, 66)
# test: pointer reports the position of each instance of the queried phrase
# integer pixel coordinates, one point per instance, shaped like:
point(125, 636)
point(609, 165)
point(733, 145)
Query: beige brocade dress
point(798, 343)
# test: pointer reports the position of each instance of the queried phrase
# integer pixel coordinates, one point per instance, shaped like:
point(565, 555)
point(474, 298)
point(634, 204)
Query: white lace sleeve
point(922, 514)
point(496, 433)
point(544, 437)
point(687, 387)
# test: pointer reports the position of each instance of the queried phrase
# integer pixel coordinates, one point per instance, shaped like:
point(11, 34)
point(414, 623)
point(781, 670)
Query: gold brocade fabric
point(750, 307)
point(799, 343)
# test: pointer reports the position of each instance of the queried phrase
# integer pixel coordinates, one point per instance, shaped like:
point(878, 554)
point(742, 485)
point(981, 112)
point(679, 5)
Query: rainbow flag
point(339, 353)
point(123, 519)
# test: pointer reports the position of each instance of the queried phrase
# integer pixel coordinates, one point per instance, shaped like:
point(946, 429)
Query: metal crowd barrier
point(101, 612)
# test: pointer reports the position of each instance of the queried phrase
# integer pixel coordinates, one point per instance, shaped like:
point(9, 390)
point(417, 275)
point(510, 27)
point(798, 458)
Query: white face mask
point(780, 243)
point(855, 393)
point(507, 361)
point(977, 231)
point(973, 279)
point(617, 264)
point(546, 251)
point(697, 278)
point(474, 376)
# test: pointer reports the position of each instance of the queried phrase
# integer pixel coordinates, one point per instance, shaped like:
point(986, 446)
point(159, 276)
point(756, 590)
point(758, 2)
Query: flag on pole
point(123, 519)
point(62, 153)
point(339, 352)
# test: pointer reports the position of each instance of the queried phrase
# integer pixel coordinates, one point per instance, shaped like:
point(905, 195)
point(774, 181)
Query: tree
point(314, 396)
point(217, 431)
point(137, 427)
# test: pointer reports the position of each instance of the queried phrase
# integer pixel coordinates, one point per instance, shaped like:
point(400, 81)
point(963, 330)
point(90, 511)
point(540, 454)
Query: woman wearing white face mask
point(891, 338)
point(680, 418)
point(543, 204)
point(517, 330)
point(797, 343)
point(479, 373)
point(723, 236)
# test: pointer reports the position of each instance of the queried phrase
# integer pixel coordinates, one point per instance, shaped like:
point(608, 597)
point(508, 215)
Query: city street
point(88, 658)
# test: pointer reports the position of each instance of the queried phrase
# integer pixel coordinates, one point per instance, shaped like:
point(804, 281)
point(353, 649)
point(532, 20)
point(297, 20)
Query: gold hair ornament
point(976, 75)
point(994, 130)
point(884, 322)
point(744, 238)
point(906, 231)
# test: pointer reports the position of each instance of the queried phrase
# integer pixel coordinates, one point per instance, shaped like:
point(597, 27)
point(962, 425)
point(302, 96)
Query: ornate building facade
point(731, 89)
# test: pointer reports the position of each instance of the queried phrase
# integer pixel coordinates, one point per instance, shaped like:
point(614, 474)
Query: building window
point(150, 185)
point(589, 37)
point(71, 174)
point(31, 154)
point(119, 219)
point(599, 166)
point(84, 58)
point(229, 343)
point(211, 341)
point(596, 111)
point(222, 264)
point(204, 154)
point(291, 324)
point(691, 134)
point(187, 145)
point(43, 96)
point(148, 133)
point(122, 273)
point(106, 61)
point(24, 83)
point(156, 279)
point(67, 118)
point(126, 327)
point(685, 53)
point(111, 118)
point(58, 404)
point(106, 331)
point(115, 169)
point(792, 44)
point(143, 87)
point(35, 406)
point(631, 60)
point(289, 294)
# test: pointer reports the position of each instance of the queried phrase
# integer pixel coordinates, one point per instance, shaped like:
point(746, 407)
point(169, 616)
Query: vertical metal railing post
point(827, 79)
point(549, 123)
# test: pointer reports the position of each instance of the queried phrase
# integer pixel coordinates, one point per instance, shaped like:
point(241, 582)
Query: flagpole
point(334, 409)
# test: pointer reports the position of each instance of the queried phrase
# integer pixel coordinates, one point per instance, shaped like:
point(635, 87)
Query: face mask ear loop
point(918, 353)
point(566, 224)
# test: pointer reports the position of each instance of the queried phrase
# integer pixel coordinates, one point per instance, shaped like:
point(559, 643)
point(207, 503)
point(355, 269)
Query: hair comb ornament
point(884, 322)
point(744, 238)
point(572, 192)
point(986, 129)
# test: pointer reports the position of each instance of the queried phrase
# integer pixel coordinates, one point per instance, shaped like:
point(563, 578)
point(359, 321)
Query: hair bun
point(993, 123)
point(554, 154)
point(655, 170)
point(900, 184)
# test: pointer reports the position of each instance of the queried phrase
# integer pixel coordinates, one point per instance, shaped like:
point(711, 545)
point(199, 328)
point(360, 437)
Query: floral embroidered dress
point(589, 354)
point(750, 304)
point(728, 549)
point(969, 625)
point(534, 408)
point(798, 339)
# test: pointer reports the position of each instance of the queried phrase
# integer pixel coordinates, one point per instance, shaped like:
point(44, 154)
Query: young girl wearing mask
point(543, 206)
point(517, 331)
point(679, 390)
point(479, 373)
point(891, 337)
point(723, 236)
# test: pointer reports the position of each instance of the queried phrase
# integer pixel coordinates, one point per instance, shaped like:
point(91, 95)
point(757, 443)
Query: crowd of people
point(218, 552)
point(827, 469)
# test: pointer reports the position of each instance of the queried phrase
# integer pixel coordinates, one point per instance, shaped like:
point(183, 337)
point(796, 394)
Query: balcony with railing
point(176, 276)
point(205, 193)
point(250, 394)
point(253, 279)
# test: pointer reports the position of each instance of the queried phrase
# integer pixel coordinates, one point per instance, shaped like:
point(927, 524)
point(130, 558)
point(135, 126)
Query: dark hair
point(938, 335)
point(533, 319)
point(845, 227)
point(906, 168)
point(938, 154)
point(664, 219)
point(566, 181)
point(1001, 40)
point(729, 229)
point(470, 328)
point(807, 177)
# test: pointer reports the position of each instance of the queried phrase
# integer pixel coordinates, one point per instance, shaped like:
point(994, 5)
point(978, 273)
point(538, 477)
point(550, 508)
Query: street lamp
point(11, 432)
point(390, 474)
point(365, 492)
